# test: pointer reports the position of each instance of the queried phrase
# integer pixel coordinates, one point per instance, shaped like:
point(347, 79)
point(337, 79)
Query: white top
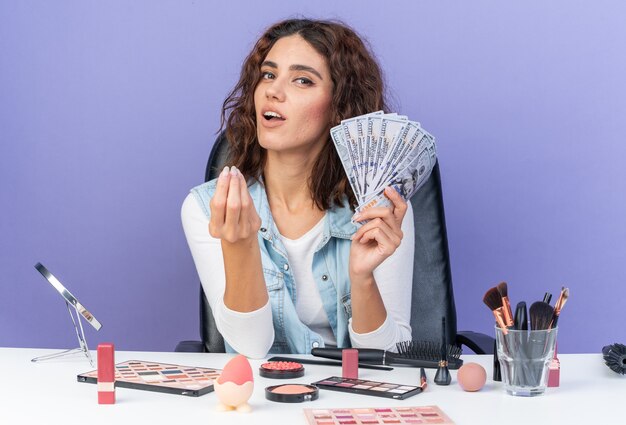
point(308, 300)
point(252, 333)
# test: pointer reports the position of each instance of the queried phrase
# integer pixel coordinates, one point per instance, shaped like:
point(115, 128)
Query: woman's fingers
point(386, 242)
point(377, 225)
point(384, 213)
point(399, 204)
point(218, 202)
point(392, 215)
point(233, 205)
point(233, 215)
point(248, 211)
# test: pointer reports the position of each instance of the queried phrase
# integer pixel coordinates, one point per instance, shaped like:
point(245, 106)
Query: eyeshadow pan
point(378, 416)
point(379, 389)
point(160, 377)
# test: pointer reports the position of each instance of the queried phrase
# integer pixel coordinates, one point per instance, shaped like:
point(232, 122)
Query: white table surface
point(48, 393)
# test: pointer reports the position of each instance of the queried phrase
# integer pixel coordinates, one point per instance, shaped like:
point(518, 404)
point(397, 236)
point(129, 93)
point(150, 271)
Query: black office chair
point(432, 297)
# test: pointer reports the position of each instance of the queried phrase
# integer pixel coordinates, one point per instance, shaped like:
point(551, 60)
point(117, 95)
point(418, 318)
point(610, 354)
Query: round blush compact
point(291, 393)
point(281, 370)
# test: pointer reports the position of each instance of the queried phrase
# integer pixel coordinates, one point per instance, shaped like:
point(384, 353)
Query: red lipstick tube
point(106, 373)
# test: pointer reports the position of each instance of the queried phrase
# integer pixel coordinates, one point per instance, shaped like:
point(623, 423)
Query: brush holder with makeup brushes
point(524, 359)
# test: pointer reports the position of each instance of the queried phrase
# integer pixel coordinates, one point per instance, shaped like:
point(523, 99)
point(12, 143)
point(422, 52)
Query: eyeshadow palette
point(382, 415)
point(160, 377)
point(374, 388)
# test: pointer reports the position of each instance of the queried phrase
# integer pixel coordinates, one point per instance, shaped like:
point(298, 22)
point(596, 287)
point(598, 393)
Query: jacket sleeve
point(394, 278)
point(249, 333)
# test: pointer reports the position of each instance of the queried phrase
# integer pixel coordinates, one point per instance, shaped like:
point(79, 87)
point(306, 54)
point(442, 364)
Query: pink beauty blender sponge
point(471, 377)
point(234, 386)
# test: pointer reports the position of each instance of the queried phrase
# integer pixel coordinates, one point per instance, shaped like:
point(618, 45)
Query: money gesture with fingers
point(233, 216)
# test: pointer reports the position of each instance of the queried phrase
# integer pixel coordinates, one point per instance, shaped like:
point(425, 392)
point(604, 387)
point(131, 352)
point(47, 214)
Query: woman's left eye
point(304, 81)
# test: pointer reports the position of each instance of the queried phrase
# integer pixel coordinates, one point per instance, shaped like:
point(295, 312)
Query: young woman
point(282, 265)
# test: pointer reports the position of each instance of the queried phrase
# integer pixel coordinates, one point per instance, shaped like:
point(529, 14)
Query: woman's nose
point(275, 90)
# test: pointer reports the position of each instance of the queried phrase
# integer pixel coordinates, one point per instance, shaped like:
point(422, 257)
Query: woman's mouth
point(272, 116)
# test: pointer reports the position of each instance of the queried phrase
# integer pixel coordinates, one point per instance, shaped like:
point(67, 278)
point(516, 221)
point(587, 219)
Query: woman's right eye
point(266, 75)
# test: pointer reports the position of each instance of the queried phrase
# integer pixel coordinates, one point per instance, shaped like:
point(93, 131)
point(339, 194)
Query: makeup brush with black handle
point(442, 377)
point(540, 319)
point(520, 322)
point(376, 356)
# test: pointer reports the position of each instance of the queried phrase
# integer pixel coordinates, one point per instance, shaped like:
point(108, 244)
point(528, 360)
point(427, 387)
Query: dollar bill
point(378, 150)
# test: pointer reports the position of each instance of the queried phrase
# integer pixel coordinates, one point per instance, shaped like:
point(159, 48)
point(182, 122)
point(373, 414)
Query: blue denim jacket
point(330, 271)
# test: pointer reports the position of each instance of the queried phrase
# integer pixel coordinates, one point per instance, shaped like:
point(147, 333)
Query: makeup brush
point(558, 306)
point(415, 354)
point(324, 362)
point(521, 324)
point(521, 317)
point(615, 357)
point(442, 377)
point(540, 318)
point(540, 315)
point(503, 290)
point(493, 300)
point(497, 372)
point(423, 379)
point(547, 297)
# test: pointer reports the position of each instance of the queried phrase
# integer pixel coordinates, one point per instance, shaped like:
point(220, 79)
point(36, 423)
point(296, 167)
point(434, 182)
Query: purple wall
point(108, 111)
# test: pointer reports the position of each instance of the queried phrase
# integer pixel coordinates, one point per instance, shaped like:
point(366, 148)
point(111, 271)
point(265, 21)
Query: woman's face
point(293, 98)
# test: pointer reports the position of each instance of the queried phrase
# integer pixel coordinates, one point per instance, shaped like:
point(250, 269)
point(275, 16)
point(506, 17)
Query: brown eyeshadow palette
point(160, 377)
point(365, 387)
point(380, 415)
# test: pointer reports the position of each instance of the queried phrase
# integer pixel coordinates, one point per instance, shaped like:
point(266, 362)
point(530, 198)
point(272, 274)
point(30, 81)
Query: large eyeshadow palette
point(365, 387)
point(160, 377)
point(381, 415)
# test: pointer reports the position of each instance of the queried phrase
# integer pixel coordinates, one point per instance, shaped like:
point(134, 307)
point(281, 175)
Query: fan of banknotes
point(379, 150)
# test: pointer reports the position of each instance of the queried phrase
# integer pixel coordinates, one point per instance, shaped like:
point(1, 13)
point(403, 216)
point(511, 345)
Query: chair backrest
point(432, 297)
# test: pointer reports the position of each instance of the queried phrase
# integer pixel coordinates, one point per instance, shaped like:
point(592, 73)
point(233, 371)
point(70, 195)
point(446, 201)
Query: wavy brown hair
point(358, 88)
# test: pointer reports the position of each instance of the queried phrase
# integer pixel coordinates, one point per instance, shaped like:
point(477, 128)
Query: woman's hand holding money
point(379, 237)
point(374, 242)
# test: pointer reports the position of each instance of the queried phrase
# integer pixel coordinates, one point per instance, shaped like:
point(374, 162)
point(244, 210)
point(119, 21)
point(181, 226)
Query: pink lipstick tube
point(350, 363)
point(554, 370)
point(106, 373)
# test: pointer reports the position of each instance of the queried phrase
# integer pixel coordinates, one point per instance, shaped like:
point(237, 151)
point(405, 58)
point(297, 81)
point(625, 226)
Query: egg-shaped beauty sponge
point(234, 386)
point(471, 377)
point(237, 370)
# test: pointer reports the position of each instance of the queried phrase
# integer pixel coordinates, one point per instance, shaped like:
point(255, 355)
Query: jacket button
point(324, 277)
point(286, 267)
point(315, 344)
point(263, 229)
